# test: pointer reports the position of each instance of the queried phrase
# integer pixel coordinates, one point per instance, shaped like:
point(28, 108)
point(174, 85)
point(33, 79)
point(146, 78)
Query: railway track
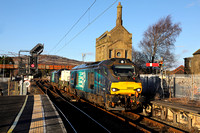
point(141, 122)
point(131, 122)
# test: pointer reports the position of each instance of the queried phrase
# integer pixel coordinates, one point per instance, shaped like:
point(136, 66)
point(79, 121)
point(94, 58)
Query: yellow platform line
point(37, 122)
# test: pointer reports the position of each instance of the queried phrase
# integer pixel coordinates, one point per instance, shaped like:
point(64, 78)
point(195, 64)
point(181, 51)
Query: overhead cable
point(72, 26)
point(87, 26)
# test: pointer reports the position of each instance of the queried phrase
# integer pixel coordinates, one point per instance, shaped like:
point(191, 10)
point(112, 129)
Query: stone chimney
point(119, 14)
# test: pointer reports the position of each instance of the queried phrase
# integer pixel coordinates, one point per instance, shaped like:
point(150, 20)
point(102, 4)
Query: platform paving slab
point(9, 108)
point(39, 114)
point(52, 119)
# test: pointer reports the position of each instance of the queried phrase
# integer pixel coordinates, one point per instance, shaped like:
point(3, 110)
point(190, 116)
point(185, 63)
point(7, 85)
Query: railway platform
point(30, 113)
point(188, 116)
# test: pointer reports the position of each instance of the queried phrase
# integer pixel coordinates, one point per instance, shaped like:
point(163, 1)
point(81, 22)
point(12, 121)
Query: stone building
point(192, 64)
point(116, 43)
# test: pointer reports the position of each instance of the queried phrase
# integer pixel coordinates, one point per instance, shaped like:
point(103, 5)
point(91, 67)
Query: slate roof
point(179, 70)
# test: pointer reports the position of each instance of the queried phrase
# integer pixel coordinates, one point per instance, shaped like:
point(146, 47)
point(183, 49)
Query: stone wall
point(196, 64)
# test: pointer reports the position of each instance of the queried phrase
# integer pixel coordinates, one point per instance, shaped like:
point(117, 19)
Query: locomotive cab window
point(91, 80)
point(124, 70)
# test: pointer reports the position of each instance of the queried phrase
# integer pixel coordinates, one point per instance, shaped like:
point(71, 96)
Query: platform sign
point(152, 64)
point(27, 83)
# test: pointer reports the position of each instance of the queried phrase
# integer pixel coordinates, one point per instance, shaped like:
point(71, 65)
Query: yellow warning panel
point(37, 122)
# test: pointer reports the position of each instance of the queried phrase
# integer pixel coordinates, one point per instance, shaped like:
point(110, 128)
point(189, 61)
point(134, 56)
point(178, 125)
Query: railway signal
point(33, 65)
point(37, 50)
point(158, 64)
point(152, 64)
point(161, 64)
point(33, 59)
point(32, 68)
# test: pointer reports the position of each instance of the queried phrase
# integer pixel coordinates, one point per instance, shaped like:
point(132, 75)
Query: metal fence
point(151, 84)
point(187, 86)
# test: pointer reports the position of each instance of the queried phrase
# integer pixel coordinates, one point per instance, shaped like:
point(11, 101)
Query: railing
point(40, 66)
point(8, 66)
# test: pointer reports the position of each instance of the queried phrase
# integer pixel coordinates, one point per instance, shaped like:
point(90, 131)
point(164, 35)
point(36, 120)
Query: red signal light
point(32, 65)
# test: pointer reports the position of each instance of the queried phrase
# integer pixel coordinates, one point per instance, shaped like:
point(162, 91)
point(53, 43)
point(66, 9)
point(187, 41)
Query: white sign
point(65, 75)
point(27, 83)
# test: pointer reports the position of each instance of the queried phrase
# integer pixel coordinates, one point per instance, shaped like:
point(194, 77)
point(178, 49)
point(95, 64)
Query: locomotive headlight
point(115, 89)
point(138, 89)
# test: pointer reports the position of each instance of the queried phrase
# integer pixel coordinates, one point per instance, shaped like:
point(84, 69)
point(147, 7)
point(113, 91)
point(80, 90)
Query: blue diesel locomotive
point(113, 84)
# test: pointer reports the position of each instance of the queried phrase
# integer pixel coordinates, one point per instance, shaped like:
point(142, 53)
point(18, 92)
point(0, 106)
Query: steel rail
point(144, 119)
point(122, 119)
point(80, 110)
point(151, 122)
point(137, 116)
point(65, 117)
point(40, 86)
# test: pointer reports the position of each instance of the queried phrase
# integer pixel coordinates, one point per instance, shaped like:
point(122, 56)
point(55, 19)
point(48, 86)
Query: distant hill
point(51, 60)
point(57, 60)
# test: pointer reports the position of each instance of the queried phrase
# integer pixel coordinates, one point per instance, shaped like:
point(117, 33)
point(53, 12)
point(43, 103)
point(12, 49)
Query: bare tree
point(159, 39)
point(138, 58)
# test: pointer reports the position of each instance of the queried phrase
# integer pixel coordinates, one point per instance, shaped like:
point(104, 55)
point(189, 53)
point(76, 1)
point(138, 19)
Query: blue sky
point(24, 23)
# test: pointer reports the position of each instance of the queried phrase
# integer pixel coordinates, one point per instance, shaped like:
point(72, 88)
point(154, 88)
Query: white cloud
point(190, 5)
point(195, 3)
point(185, 51)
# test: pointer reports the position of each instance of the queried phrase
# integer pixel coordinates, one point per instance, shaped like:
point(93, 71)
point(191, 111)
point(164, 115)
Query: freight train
point(113, 84)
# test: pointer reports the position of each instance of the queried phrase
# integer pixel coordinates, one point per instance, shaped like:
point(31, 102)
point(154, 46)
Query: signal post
point(31, 69)
point(160, 64)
